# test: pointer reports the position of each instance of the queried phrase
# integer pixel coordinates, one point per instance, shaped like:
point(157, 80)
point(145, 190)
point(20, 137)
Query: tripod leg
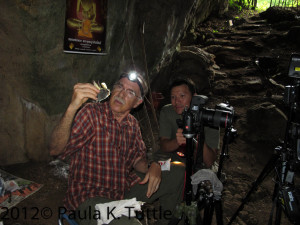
point(276, 204)
point(174, 221)
point(270, 165)
point(272, 210)
point(219, 212)
point(208, 212)
point(199, 219)
point(278, 212)
point(217, 207)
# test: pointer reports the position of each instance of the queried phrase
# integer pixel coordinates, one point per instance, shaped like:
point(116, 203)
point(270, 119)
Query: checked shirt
point(102, 153)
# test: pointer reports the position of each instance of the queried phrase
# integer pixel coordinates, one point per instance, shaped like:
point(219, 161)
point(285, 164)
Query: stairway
point(249, 54)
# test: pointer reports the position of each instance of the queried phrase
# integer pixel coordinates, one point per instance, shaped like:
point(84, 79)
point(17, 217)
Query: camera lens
point(216, 118)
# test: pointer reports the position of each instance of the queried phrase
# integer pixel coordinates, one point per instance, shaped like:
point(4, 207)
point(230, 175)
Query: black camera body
point(294, 67)
point(291, 93)
point(198, 115)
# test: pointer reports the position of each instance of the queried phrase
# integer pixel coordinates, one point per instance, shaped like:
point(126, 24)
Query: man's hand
point(61, 132)
point(153, 177)
point(181, 140)
point(81, 93)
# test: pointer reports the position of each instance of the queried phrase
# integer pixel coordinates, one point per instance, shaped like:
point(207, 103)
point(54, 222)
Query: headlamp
point(133, 76)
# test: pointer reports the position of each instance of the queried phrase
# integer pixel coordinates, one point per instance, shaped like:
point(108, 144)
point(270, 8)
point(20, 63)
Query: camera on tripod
point(292, 99)
point(197, 115)
point(205, 197)
point(289, 193)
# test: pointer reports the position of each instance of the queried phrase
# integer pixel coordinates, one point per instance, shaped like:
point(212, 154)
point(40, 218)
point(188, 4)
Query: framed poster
point(85, 26)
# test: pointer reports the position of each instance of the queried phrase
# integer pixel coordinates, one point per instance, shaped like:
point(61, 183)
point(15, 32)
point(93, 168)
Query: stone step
point(250, 84)
point(234, 39)
point(223, 42)
point(255, 18)
point(262, 21)
point(251, 27)
point(240, 34)
point(230, 49)
point(241, 72)
point(244, 43)
point(246, 48)
point(226, 59)
point(253, 45)
point(243, 51)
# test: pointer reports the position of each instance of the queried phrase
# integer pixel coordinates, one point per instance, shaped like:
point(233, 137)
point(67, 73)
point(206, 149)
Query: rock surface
point(34, 67)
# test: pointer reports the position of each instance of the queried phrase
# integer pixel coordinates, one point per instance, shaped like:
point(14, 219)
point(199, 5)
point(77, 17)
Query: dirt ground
point(244, 164)
point(42, 207)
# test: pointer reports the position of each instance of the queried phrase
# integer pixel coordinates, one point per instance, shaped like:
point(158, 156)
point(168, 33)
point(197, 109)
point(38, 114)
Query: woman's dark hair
point(180, 81)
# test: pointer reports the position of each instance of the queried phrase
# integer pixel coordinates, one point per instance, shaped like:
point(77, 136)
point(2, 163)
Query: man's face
point(124, 97)
point(180, 98)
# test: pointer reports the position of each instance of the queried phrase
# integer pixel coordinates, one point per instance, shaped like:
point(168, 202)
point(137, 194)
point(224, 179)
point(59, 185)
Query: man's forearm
point(209, 155)
point(168, 145)
point(141, 165)
point(60, 134)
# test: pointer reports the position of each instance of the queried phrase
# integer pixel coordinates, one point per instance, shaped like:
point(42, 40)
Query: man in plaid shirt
point(107, 153)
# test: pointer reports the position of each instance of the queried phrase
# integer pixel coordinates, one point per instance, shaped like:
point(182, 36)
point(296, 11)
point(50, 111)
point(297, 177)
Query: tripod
point(190, 207)
point(282, 162)
point(216, 204)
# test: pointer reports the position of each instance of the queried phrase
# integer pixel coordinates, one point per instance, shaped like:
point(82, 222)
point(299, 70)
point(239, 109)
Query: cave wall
point(37, 77)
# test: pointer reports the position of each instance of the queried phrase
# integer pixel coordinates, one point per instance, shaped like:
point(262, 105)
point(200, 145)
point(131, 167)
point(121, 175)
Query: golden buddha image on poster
point(85, 26)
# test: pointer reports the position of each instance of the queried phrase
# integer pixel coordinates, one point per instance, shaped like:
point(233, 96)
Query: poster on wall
point(85, 26)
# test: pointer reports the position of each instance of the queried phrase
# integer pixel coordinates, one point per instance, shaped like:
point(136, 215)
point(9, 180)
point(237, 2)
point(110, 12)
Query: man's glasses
point(133, 77)
point(129, 93)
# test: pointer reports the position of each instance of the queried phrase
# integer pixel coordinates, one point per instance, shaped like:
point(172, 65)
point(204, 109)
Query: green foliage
point(239, 5)
point(236, 4)
point(263, 5)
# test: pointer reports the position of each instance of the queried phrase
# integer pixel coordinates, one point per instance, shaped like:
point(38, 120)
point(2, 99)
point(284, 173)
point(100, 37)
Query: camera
point(292, 99)
point(291, 92)
point(294, 67)
point(197, 115)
